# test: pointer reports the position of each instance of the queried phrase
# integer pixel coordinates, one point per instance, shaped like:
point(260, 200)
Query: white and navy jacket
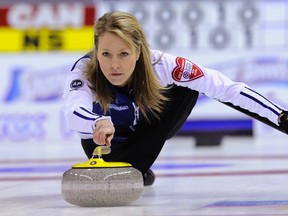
point(82, 112)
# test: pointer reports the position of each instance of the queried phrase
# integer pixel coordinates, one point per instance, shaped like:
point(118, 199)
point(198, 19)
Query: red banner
point(61, 15)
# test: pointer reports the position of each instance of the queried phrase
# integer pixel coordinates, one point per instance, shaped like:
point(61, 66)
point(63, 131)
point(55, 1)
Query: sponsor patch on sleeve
point(76, 84)
point(186, 71)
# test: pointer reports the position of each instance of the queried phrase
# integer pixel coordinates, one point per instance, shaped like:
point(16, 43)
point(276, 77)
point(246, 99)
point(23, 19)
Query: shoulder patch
point(186, 71)
point(76, 84)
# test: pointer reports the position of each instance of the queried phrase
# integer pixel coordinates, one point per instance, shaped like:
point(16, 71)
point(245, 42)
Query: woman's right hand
point(104, 132)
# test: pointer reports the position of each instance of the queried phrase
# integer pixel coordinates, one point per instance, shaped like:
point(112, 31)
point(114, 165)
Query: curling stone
point(97, 183)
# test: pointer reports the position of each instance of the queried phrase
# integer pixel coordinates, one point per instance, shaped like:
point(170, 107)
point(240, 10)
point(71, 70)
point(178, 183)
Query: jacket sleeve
point(78, 102)
point(214, 84)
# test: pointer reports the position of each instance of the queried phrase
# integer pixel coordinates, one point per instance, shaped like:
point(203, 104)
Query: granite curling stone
point(97, 183)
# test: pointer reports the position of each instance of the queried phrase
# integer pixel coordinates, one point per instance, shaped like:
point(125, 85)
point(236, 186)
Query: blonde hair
point(147, 91)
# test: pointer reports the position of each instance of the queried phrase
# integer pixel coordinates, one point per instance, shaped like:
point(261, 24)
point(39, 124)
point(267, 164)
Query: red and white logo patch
point(186, 71)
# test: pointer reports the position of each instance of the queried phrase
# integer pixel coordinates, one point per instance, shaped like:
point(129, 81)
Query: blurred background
point(40, 40)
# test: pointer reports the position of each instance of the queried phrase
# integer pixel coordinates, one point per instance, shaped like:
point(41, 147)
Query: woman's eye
point(124, 54)
point(105, 54)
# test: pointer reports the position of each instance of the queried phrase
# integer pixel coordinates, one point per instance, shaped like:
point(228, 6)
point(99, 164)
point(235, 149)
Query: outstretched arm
point(214, 84)
point(282, 119)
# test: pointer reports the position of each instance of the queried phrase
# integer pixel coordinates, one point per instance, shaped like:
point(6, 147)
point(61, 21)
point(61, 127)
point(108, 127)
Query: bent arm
point(78, 102)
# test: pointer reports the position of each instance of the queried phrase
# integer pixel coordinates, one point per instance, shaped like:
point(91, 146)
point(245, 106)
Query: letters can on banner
point(49, 15)
point(46, 26)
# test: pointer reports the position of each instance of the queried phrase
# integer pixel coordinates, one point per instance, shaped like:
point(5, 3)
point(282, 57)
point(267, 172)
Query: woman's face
point(117, 60)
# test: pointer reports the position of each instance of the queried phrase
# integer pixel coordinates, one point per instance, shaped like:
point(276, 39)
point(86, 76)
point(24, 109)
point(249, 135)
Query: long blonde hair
point(147, 91)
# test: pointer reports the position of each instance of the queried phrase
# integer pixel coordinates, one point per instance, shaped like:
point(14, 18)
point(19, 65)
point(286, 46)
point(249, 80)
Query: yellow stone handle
point(97, 161)
point(101, 150)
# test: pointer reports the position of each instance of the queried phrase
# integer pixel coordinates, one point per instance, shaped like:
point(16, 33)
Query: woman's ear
point(138, 54)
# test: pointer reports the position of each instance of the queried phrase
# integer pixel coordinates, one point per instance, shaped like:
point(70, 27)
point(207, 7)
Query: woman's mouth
point(115, 74)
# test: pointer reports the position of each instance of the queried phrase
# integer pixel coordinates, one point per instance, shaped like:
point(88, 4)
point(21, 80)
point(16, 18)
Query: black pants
point(143, 147)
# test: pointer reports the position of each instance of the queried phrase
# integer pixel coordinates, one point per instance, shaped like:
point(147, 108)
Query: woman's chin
point(118, 83)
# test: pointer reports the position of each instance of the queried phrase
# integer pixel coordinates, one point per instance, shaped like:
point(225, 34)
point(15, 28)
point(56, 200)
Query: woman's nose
point(115, 63)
